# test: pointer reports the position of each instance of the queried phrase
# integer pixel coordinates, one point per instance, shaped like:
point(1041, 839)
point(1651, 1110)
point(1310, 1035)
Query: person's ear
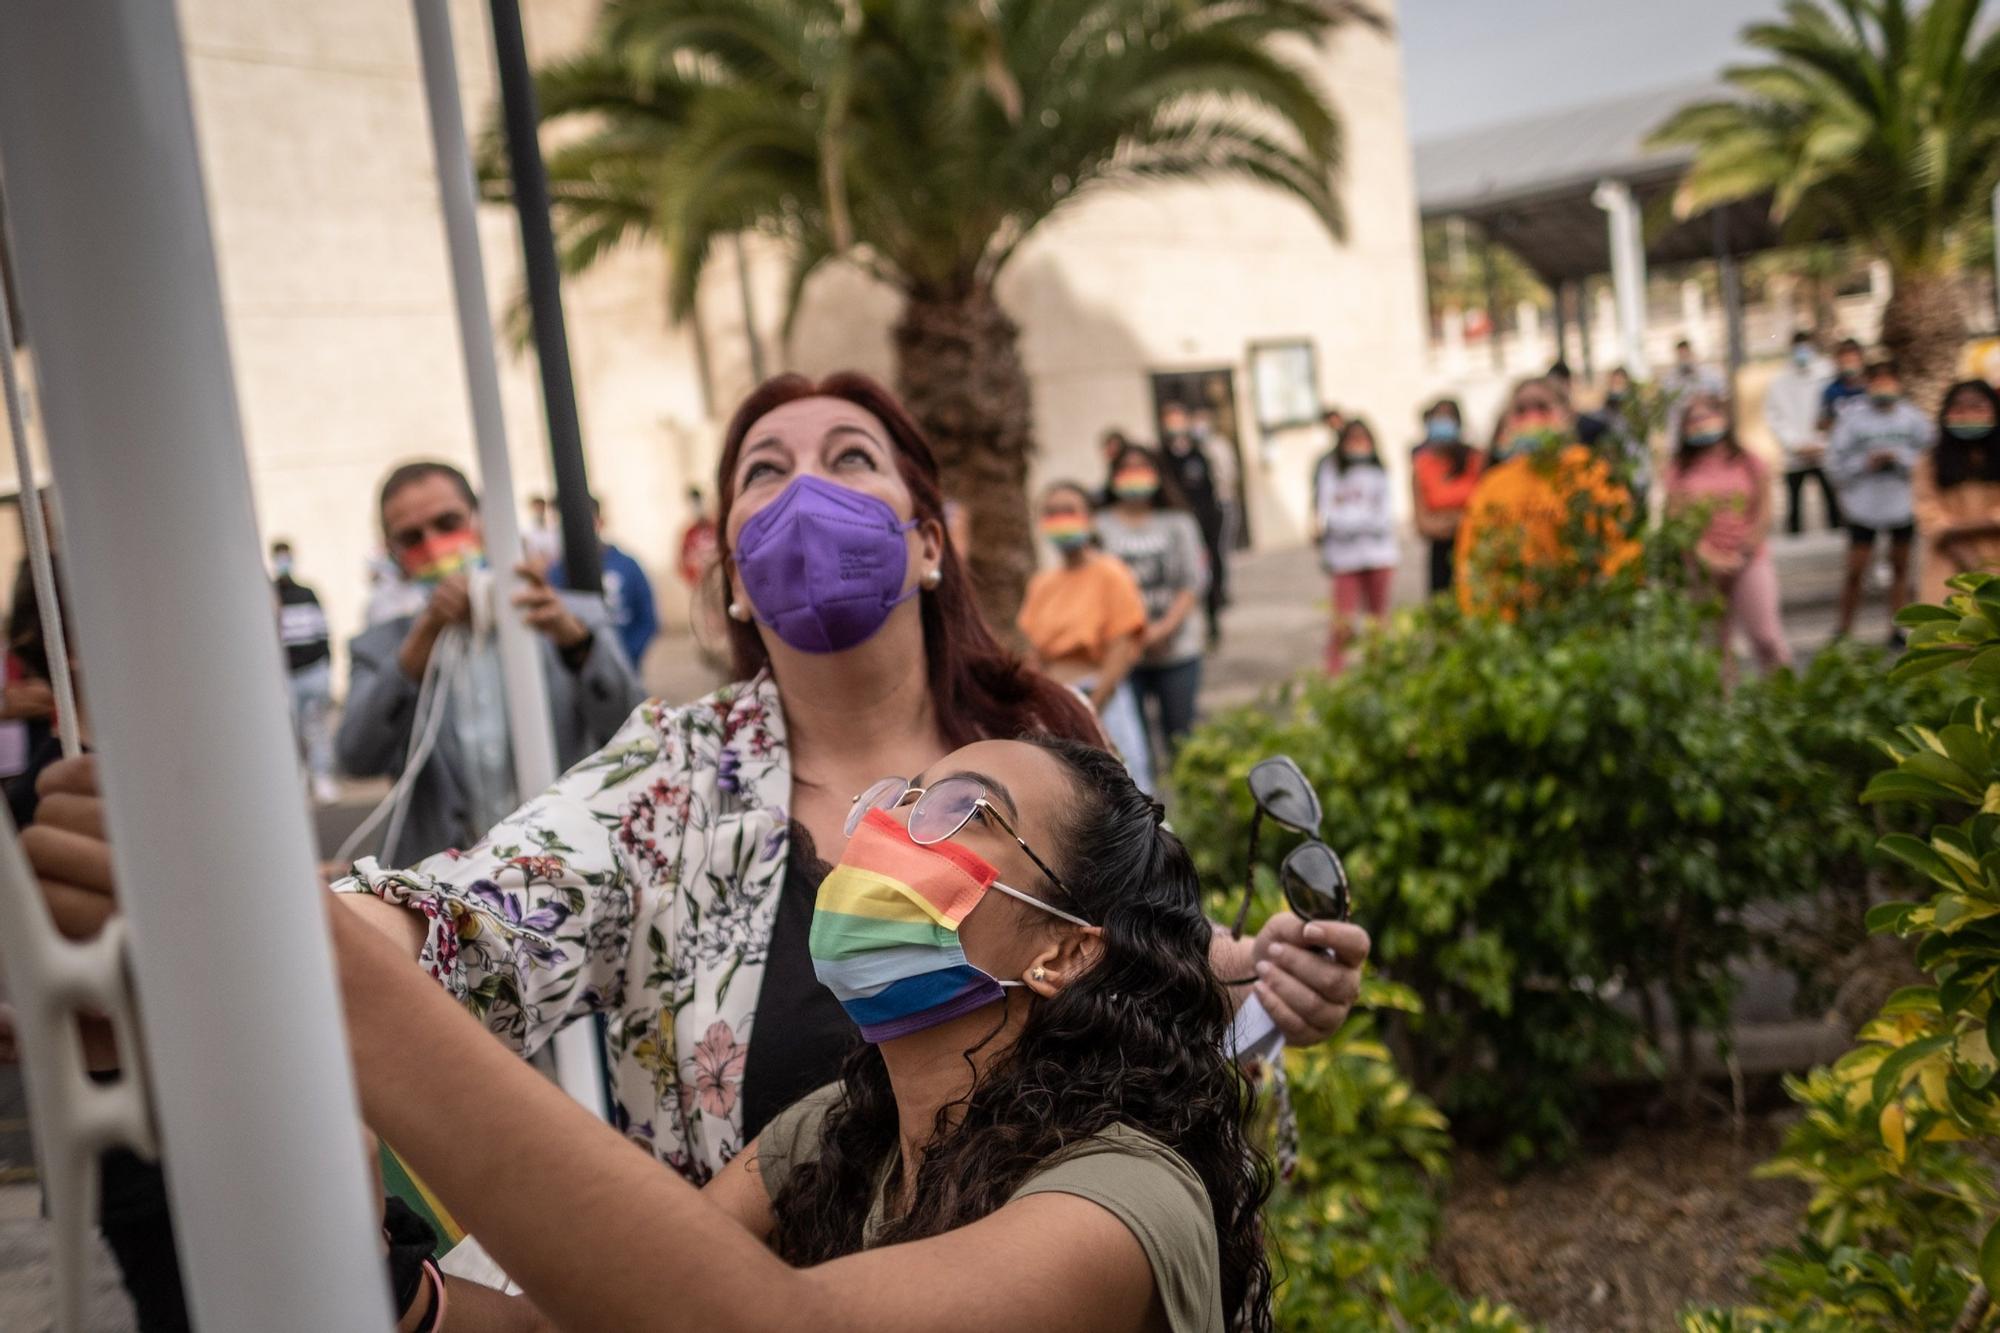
point(930, 546)
point(1065, 959)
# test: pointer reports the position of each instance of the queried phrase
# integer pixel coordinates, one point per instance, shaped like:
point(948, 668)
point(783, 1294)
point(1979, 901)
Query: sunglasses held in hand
point(1311, 875)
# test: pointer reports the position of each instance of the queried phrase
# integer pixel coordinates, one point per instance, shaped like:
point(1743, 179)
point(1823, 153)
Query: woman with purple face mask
point(667, 882)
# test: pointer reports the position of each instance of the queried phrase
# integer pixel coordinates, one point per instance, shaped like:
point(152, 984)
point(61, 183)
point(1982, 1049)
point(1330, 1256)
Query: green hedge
point(1899, 1138)
point(1541, 817)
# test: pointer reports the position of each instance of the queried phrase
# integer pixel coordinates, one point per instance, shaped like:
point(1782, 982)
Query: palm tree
point(1869, 121)
point(924, 141)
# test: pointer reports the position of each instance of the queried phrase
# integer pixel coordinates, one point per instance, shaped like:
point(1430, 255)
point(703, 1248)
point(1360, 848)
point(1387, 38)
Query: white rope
point(41, 565)
point(448, 655)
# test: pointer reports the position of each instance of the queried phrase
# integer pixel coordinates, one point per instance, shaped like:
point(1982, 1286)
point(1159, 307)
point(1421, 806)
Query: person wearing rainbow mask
point(1085, 621)
point(430, 523)
point(1148, 526)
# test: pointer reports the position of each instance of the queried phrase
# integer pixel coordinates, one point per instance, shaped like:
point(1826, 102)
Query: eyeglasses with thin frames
point(941, 810)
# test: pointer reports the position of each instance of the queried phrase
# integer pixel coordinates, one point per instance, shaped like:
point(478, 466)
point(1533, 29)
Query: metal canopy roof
point(1528, 183)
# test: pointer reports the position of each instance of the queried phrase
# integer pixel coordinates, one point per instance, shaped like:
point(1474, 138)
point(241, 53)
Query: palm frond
point(924, 139)
point(1864, 116)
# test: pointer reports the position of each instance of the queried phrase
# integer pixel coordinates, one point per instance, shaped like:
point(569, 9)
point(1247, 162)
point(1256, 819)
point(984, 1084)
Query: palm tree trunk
point(958, 368)
point(1923, 328)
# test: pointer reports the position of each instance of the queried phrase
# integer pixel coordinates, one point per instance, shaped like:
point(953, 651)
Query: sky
point(1469, 63)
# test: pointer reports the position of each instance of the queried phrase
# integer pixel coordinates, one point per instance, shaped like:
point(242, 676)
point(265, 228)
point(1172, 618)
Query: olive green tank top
point(1128, 1173)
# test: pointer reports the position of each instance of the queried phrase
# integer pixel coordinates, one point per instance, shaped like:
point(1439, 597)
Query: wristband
point(411, 1241)
point(434, 1321)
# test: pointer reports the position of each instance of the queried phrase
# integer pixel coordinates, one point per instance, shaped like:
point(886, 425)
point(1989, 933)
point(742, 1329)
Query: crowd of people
point(1889, 474)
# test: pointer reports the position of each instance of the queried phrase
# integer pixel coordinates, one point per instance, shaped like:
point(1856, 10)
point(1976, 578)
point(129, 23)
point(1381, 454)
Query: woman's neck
point(1135, 511)
point(872, 699)
point(937, 1068)
point(1076, 559)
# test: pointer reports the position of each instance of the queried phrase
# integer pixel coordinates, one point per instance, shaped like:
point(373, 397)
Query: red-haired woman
point(667, 882)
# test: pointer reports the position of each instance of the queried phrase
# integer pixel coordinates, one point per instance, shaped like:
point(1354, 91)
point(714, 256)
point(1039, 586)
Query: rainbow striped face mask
point(885, 930)
point(437, 558)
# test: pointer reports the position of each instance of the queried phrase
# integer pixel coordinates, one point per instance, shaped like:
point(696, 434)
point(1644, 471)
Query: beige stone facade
point(324, 201)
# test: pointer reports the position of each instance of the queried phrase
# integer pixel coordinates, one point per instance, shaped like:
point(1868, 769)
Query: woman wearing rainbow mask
point(1085, 622)
point(1042, 1132)
point(1147, 525)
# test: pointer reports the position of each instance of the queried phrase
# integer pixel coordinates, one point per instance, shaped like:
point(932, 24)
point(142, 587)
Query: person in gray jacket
point(1871, 456)
point(430, 522)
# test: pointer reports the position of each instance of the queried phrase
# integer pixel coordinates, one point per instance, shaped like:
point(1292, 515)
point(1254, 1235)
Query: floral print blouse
point(643, 887)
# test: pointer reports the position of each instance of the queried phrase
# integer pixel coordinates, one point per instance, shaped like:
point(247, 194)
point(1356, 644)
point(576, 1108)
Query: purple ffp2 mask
point(824, 565)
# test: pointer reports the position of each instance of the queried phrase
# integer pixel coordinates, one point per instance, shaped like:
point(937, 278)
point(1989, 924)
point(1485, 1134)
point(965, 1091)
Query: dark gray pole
point(1579, 289)
point(1557, 291)
point(583, 562)
point(1492, 282)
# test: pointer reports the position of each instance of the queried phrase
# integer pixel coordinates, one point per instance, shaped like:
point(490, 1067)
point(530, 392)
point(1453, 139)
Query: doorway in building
point(1213, 391)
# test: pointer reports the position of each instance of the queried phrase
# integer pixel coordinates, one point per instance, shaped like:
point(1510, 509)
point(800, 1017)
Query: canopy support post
point(1628, 271)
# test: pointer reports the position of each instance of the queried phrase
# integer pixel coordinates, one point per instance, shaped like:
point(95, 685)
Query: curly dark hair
point(1139, 1040)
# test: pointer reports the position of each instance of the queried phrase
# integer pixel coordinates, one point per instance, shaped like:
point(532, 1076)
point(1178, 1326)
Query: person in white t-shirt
point(1355, 523)
point(1792, 409)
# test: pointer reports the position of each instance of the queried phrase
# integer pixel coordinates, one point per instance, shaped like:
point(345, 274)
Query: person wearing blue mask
point(628, 595)
point(1444, 472)
point(1872, 456)
point(1956, 491)
point(1794, 405)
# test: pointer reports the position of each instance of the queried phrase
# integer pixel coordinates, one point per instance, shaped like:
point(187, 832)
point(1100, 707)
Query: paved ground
point(1276, 628)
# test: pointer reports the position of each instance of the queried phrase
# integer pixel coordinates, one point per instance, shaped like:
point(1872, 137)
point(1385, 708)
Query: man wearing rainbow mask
point(438, 658)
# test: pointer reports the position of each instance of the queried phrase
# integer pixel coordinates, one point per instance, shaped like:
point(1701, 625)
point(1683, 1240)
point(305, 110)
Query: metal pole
point(530, 730)
point(1996, 255)
point(274, 1219)
point(35, 524)
point(1580, 289)
point(583, 562)
point(1628, 270)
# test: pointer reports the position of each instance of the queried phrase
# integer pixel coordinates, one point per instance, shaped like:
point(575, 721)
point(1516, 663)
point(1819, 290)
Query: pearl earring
point(933, 576)
point(739, 612)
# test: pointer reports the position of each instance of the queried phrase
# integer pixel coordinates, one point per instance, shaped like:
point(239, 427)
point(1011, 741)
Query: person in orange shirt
point(1546, 503)
point(1085, 622)
point(1443, 475)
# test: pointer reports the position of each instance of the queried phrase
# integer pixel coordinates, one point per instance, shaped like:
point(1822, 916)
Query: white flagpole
point(578, 1054)
point(176, 631)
